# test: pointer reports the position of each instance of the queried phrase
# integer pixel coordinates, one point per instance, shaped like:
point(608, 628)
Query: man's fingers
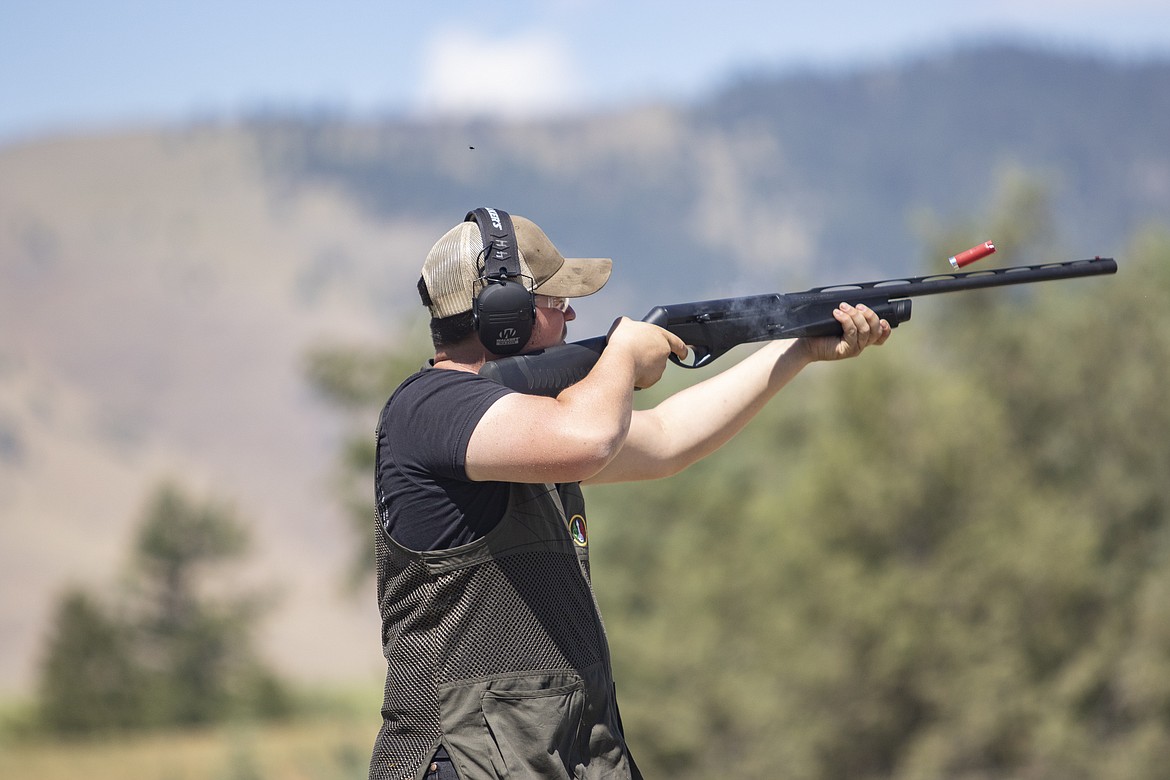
point(677, 346)
point(866, 323)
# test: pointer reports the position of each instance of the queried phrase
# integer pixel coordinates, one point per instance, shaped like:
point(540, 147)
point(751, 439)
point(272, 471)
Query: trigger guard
point(702, 358)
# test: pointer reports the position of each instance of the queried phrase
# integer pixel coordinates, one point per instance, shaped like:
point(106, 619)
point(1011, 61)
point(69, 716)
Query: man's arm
point(528, 438)
point(695, 422)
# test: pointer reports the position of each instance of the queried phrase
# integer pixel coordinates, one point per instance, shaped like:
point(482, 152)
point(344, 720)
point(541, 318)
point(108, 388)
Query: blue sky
point(70, 65)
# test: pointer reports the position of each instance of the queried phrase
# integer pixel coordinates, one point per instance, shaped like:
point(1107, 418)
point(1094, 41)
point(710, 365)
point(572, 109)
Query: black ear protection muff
point(505, 309)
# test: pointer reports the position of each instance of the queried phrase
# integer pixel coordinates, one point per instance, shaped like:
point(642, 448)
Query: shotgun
point(712, 328)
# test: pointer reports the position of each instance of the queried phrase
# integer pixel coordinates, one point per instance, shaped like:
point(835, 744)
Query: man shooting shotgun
point(497, 662)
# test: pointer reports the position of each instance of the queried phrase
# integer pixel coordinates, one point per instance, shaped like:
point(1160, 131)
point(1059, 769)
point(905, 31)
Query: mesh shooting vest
point(496, 651)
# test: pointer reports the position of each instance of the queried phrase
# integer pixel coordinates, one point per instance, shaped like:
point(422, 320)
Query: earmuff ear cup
point(504, 314)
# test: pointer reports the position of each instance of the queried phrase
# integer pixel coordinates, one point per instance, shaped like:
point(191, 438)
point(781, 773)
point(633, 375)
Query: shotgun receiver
point(712, 328)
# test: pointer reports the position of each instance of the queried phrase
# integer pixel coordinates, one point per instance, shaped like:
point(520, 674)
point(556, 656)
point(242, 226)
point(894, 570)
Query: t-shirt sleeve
point(426, 501)
point(439, 416)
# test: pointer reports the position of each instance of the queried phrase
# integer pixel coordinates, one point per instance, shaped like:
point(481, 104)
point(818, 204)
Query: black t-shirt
point(425, 500)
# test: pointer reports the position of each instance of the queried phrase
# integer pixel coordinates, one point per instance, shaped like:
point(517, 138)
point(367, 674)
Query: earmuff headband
point(504, 311)
point(501, 255)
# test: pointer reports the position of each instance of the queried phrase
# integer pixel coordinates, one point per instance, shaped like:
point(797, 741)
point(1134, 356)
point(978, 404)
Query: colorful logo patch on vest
point(578, 530)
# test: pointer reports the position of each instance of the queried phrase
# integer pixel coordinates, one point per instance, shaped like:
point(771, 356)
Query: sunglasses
point(552, 302)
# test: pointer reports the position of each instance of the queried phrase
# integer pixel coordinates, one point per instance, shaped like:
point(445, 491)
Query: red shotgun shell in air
point(971, 255)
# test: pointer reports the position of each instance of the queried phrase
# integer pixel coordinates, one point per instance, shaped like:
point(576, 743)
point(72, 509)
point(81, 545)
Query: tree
point(171, 653)
point(89, 681)
point(969, 589)
point(197, 649)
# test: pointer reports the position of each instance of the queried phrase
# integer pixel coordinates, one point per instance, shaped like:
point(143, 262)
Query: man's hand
point(647, 345)
point(860, 327)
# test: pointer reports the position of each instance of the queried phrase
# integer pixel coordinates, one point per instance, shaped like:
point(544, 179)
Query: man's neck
point(465, 356)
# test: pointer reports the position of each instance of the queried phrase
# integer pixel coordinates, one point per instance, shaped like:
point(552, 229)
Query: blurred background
point(212, 217)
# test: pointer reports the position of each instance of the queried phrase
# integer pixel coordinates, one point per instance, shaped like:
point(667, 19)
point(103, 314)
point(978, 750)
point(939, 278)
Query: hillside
point(156, 303)
point(159, 287)
point(780, 180)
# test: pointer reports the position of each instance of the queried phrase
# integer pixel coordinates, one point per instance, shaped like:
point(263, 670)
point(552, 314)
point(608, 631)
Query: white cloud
point(471, 74)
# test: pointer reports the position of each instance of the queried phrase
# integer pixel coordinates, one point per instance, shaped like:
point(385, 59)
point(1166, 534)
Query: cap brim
point(578, 277)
